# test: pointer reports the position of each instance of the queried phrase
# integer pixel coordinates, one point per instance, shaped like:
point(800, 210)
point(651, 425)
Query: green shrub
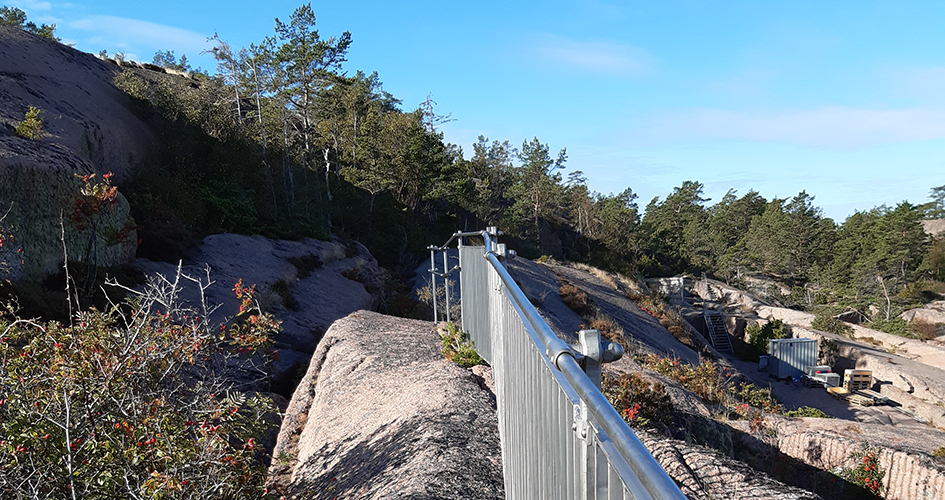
point(825, 322)
point(866, 473)
point(458, 348)
point(135, 402)
point(806, 411)
point(895, 326)
point(32, 125)
point(758, 336)
point(714, 384)
point(639, 401)
point(133, 85)
point(939, 452)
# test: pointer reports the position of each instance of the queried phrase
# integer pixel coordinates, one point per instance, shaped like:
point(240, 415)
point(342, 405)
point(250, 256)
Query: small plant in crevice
point(32, 125)
point(284, 290)
point(458, 348)
point(673, 323)
point(353, 274)
point(306, 264)
point(576, 299)
point(654, 303)
point(594, 319)
point(866, 473)
point(609, 329)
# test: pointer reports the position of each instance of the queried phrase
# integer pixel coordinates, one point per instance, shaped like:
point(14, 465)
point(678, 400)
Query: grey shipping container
point(793, 356)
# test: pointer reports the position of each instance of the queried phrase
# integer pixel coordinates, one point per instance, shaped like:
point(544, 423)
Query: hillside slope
point(83, 111)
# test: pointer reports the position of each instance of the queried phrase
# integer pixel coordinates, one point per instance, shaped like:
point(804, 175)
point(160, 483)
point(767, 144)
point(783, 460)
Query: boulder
point(381, 413)
point(39, 189)
point(307, 284)
point(933, 312)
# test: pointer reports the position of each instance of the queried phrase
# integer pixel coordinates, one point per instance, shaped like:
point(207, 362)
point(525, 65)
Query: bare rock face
point(703, 473)
point(905, 457)
point(381, 414)
point(540, 283)
point(82, 109)
point(934, 228)
point(307, 284)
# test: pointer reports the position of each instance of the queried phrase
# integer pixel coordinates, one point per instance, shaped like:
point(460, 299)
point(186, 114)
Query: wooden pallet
point(860, 400)
point(854, 380)
point(851, 397)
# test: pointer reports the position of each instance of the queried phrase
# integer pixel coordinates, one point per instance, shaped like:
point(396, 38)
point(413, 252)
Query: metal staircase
point(715, 322)
point(718, 335)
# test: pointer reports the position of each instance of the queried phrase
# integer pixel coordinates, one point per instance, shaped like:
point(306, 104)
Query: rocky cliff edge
point(381, 414)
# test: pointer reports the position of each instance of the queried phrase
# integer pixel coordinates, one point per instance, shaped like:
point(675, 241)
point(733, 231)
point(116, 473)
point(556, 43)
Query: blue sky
point(844, 99)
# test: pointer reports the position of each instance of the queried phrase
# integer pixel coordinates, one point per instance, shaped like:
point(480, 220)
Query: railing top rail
point(458, 234)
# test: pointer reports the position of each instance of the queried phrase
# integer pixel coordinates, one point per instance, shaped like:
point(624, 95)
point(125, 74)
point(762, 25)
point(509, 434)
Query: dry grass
point(606, 277)
point(673, 323)
point(926, 330)
point(583, 306)
point(576, 299)
point(609, 329)
point(581, 267)
point(870, 340)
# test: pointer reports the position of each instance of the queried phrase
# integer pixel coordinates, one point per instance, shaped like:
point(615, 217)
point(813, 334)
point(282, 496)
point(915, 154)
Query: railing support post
point(594, 353)
point(446, 282)
point(433, 278)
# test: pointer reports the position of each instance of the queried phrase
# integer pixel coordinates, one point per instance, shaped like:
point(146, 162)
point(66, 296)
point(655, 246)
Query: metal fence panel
point(546, 452)
point(474, 289)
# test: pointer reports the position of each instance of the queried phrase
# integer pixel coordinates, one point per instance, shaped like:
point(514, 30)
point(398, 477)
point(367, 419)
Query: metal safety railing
point(560, 437)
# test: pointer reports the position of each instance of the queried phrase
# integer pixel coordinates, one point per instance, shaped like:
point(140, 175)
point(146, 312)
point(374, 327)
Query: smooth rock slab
point(381, 414)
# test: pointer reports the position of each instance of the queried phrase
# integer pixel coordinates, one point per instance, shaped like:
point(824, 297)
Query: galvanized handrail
point(640, 474)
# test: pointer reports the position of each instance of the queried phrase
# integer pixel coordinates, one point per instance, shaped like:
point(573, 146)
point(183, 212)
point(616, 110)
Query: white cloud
point(838, 128)
point(607, 57)
point(111, 31)
point(30, 5)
